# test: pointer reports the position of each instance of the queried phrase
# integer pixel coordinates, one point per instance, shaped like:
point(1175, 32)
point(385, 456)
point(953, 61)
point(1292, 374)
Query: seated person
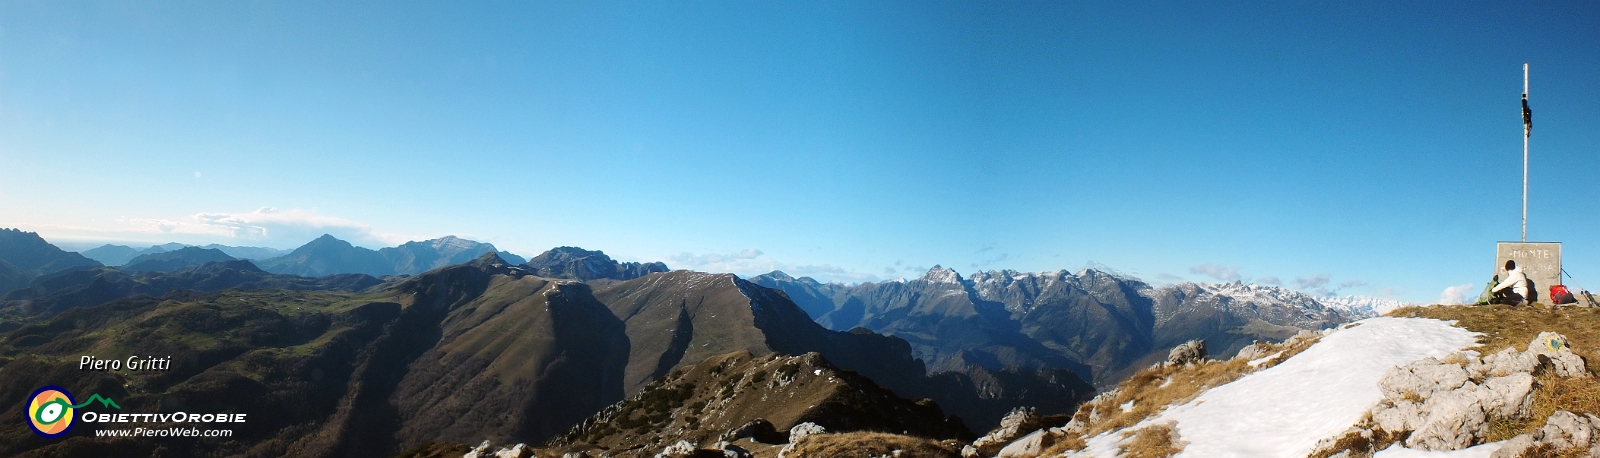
point(1514, 290)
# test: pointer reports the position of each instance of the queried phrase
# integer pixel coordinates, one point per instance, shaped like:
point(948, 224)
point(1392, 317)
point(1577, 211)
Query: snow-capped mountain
point(1100, 324)
point(1361, 306)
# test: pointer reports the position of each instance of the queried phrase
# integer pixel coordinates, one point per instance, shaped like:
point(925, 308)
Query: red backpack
point(1560, 295)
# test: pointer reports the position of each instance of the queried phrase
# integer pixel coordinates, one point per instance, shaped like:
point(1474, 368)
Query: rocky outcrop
point(1565, 432)
point(1190, 352)
point(799, 432)
point(1019, 422)
point(1448, 404)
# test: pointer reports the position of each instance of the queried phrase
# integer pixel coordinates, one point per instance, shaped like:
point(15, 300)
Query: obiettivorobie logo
point(50, 410)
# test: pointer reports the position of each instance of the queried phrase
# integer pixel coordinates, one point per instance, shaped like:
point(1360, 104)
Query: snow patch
point(1284, 410)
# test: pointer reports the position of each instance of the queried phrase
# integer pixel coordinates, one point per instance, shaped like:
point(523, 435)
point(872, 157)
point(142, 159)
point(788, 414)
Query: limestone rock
point(1252, 352)
point(1421, 379)
point(1509, 361)
point(515, 451)
point(1555, 347)
point(1455, 421)
point(1017, 422)
point(802, 430)
point(1403, 416)
point(481, 451)
point(1510, 396)
point(1190, 352)
point(1029, 445)
point(1563, 431)
point(682, 449)
point(969, 452)
point(799, 432)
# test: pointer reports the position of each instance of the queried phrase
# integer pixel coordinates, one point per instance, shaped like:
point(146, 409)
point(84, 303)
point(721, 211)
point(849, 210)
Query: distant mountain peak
point(778, 274)
point(941, 274)
point(581, 264)
point(489, 259)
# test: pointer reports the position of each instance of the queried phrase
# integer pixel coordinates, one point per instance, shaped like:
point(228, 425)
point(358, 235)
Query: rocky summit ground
point(1439, 381)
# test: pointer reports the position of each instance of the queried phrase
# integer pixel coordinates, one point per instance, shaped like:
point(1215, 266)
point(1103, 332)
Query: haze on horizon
point(1365, 148)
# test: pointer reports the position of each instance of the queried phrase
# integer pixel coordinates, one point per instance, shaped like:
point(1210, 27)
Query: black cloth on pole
point(1527, 117)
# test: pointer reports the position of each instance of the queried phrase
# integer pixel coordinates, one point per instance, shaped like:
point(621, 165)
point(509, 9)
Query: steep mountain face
point(1097, 324)
point(703, 402)
point(525, 359)
point(678, 318)
point(413, 258)
point(581, 264)
point(173, 261)
point(328, 255)
point(26, 256)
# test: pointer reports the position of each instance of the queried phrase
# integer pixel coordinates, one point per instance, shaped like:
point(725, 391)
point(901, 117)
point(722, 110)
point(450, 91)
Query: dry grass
point(1156, 441)
point(1359, 445)
point(1504, 326)
point(1152, 390)
point(865, 444)
point(1546, 451)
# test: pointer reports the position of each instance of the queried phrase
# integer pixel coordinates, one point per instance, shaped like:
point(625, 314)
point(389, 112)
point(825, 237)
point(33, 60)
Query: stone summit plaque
point(1540, 261)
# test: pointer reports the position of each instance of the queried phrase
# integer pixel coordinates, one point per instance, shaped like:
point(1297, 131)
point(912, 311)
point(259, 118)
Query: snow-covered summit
point(1361, 306)
point(941, 274)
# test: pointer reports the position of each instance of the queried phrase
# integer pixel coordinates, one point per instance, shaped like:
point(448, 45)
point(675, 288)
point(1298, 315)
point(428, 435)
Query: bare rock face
point(1563, 432)
point(1017, 423)
point(1190, 352)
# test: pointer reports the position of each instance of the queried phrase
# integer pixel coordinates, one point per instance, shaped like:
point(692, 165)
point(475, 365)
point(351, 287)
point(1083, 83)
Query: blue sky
point(1368, 148)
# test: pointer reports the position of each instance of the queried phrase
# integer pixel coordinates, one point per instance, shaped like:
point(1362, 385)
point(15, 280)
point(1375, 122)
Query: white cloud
point(750, 262)
point(1457, 294)
point(1217, 272)
point(1270, 280)
point(265, 227)
point(1311, 281)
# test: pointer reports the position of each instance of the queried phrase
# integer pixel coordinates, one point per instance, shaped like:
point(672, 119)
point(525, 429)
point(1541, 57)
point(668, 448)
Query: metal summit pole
point(1525, 134)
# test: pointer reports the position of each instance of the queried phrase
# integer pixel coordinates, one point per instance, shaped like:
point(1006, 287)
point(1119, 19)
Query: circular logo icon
point(50, 411)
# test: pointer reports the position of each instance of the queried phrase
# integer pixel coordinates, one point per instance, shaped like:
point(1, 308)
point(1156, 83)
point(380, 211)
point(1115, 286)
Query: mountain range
point(509, 351)
point(1096, 323)
point(117, 255)
point(328, 255)
point(25, 256)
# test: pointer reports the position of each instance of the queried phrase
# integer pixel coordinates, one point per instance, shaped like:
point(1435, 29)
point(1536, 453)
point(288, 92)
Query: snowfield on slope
point(1284, 410)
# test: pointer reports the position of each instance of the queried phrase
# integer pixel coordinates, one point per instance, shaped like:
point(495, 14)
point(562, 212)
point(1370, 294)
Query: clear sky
point(1364, 148)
